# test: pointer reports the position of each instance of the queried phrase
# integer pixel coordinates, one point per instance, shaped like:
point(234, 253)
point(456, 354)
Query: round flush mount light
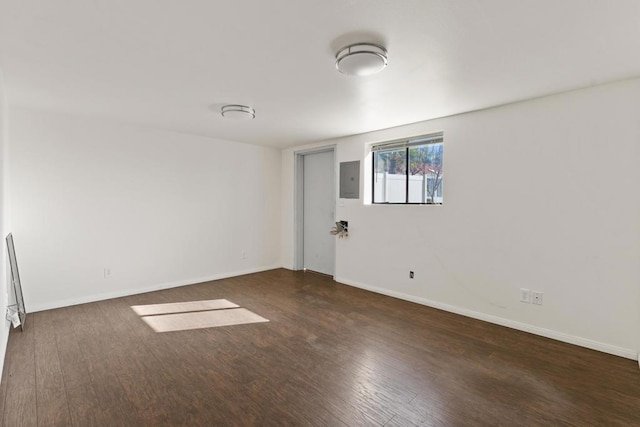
point(361, 59)
point(238, 112)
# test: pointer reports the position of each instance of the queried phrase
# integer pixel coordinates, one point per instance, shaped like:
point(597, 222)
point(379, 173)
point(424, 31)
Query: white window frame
point(407, 143)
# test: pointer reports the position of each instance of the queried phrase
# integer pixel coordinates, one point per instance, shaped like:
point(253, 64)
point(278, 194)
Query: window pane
point(425, 173)
point(389, 176)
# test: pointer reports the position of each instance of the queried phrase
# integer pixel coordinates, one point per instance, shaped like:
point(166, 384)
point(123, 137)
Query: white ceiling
point(172, 64)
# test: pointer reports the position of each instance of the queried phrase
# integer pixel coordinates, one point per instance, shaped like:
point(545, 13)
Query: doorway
point(315, 211)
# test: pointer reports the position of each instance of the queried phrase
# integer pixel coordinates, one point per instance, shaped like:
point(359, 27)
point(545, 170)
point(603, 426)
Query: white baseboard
point(134, 291)
point(548, 333)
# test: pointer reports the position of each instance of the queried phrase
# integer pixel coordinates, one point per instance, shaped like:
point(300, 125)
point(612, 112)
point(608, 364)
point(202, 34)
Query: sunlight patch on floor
point(182, 307)
point(188, 315)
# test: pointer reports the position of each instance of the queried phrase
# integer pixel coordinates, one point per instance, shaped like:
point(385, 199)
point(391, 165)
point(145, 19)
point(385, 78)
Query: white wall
point(158, 208)
point(4, 222)
point(563, 219)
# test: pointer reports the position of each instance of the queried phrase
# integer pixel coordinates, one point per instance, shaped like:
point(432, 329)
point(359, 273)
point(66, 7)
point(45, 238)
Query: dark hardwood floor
point(331, 355)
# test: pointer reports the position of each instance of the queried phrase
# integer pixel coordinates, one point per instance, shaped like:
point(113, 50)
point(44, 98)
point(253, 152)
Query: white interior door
point(319, 212)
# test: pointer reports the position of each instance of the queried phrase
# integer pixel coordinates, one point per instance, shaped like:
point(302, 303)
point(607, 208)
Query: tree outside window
point(410, 173)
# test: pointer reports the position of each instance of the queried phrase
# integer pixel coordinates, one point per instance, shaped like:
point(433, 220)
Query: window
point(408, 171)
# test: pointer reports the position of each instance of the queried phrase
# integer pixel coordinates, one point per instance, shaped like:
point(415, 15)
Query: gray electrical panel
point(350, 180)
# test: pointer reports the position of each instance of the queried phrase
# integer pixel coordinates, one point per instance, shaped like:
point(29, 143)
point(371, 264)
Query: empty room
point(332, 213)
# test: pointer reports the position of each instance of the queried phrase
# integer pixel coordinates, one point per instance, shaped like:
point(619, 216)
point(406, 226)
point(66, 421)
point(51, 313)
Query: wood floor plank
point(100, 349)
point(83, 403)
point(20, 409)
point(330, 355)
point(51, 395)
point(21, 398)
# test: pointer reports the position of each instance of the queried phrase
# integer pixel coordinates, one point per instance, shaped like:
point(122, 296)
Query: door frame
point(298, 202)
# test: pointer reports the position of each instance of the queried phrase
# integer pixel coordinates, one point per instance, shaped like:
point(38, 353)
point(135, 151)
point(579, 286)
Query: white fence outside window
point(391, 188)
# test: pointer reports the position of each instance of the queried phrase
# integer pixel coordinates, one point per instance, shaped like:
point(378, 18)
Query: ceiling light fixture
point(238, 112)
point(361, 59)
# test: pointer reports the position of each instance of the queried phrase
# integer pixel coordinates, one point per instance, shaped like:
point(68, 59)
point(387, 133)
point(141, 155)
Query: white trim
point(414, 141)
point(548, 333)
point(124, 293)
point(298, 201)
point(298, 216)
point(315, 150)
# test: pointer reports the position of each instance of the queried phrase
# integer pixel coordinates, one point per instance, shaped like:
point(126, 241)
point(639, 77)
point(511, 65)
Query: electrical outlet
point(525, 295)
point(107, 272)
point(243, 255)
point(536, 298)
point(411, 275)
